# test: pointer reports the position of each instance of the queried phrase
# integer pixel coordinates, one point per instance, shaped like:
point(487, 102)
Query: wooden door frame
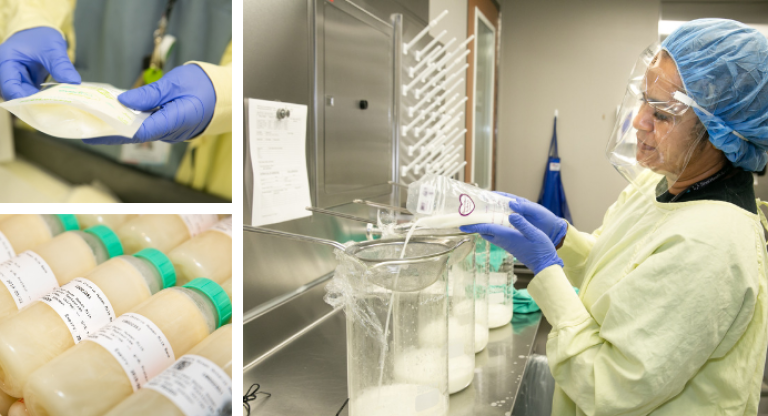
point(489, 9)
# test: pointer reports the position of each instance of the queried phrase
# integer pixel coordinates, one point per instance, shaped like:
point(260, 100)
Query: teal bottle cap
point(162, 263)
point(69, 222)
point(216, 294)
point(108, 238)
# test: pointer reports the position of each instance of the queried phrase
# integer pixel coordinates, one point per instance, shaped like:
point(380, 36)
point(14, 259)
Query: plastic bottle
point(198, 384)
point(124, 281)
point(162, 231)
point(227, 286)
point(23, 232)
point(112, 221)
point(440, 202)
point(33, 273)
point(208, 254)
point(89, 379)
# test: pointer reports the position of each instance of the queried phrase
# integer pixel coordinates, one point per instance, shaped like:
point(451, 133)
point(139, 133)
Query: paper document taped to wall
point(278, 157)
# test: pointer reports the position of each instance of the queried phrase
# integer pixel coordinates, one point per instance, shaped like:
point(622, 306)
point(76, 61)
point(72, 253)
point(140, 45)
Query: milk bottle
point(163, 231)
point(33, 273)
point(81, 307)
point(19, 233)
point(206, 255)
point(198, 384)
point(107, 367)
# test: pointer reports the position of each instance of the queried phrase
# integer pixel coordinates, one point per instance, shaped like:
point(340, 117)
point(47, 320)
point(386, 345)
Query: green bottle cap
point(216, 294)
point(69, 222)
point(162, 263)
point(108, 238)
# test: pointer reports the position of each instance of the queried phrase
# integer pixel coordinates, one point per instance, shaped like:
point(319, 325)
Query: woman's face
point(665, 142)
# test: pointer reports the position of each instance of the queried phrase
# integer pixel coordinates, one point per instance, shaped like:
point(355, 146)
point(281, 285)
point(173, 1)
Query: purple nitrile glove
point(543, 219)
point(28, 56)
point(526, 242)
point(186, 98)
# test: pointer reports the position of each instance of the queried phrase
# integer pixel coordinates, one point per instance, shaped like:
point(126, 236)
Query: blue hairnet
point(724, 68)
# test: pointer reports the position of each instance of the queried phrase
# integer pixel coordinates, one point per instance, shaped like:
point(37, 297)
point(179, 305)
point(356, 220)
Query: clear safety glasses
point(654, 130)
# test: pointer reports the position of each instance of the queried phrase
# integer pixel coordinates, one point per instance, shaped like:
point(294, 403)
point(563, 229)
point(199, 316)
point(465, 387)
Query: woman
point(672, 315)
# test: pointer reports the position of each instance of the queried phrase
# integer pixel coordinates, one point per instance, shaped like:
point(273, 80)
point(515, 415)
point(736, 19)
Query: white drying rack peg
point(423, 73)
point(455, 170)
point(429, 58)
point(447, 162)
point(428, 62)
point(437, 38)
point(446, 154)
point(421, 34)
point(446, 58)
point(436, 79)
point(430, 95)
point(446, 139)
point(439, 127)
point(456, 106)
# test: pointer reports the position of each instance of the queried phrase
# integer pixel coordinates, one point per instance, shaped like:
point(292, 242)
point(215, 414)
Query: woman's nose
point(644, 119)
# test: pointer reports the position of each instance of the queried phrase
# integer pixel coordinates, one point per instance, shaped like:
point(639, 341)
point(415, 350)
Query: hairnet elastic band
point(685, 99)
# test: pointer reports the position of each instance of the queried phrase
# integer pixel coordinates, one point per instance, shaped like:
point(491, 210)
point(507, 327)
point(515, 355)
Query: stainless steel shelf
point(309, 375)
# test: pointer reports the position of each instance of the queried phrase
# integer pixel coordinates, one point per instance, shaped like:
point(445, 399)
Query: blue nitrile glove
point(186, 99)
point(543, 219)
point(26, 59)
point(526, 242)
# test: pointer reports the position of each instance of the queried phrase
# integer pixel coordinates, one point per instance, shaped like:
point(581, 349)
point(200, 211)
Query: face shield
point(655, 136)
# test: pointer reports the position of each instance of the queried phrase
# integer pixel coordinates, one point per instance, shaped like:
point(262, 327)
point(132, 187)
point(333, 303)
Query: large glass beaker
point(392, 369)
point(482, 269)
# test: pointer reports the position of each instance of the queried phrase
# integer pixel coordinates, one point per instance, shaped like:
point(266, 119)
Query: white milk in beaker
point(89, 379)
point(66, 316)
point(162, 231)
point(206, 255)
point(198, 384)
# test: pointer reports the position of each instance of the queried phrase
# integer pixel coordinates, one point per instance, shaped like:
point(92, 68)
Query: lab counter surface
point(308, 376)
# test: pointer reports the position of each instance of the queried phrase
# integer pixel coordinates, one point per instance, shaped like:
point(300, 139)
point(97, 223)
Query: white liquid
point(217, 347)
point(499, 315)
point(392, 303)
point(481, 337)
point(461, 371)
point(161, 231)
point(25, 232)
point(400, 400)
point(68, 256)
point(87, 380)
point(206, 255)
point(23, 351)
point(456, 220)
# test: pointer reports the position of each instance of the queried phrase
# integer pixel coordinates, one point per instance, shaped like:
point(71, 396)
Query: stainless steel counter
point(308, 376)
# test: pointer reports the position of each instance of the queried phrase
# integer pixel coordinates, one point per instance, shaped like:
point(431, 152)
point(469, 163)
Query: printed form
point(278, 155)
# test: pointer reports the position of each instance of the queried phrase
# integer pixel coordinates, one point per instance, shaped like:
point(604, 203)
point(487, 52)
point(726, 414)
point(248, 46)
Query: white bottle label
point(28, 277)
point(197, 223)
point(6, 250)
point(224, 226)
point(426, 202)
point(138, 345)
point(196, 385)
point(82, 306)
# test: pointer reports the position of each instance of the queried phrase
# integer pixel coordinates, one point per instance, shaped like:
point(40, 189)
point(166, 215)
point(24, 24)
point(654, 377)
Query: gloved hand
point(186, 99)
point(543, 219)
point(529, 244)
point(26, 59)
